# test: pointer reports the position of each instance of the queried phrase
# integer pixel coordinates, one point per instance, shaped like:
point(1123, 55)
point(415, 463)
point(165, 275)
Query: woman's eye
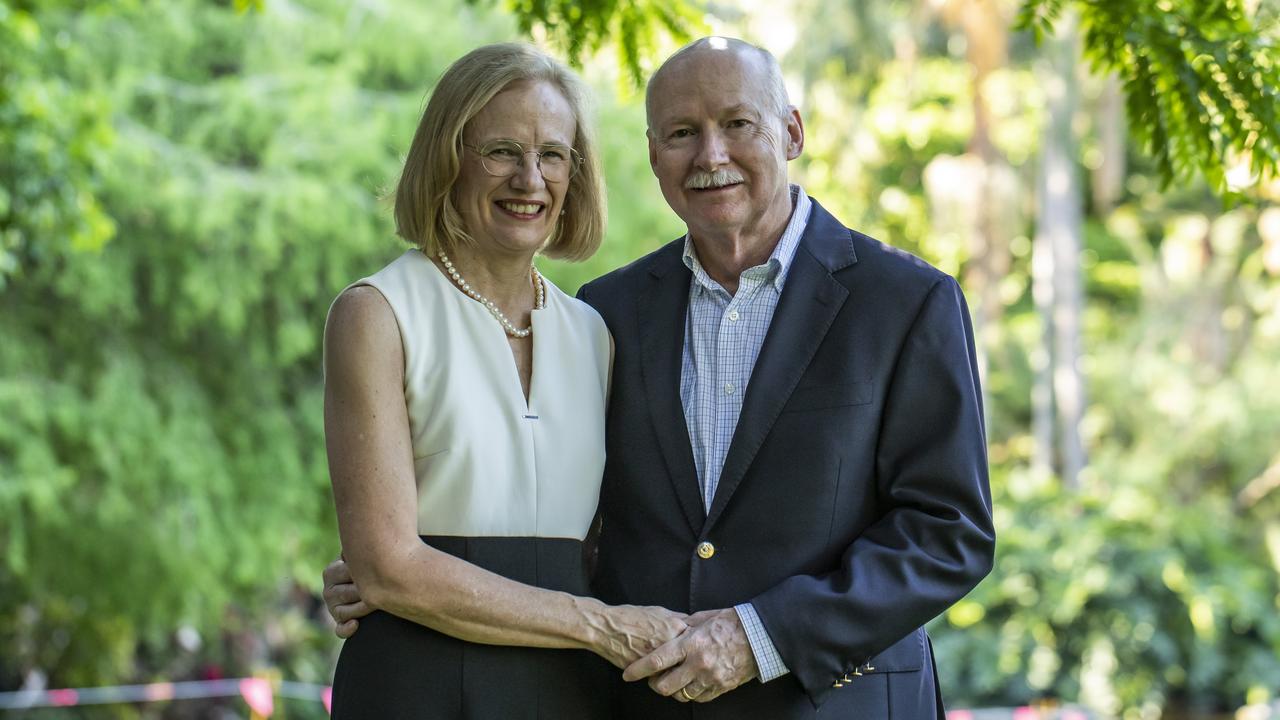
point(554, 155)
point(504, 153)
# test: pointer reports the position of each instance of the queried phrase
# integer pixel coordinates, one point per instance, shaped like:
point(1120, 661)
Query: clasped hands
point(710, 658)
point(697, 658)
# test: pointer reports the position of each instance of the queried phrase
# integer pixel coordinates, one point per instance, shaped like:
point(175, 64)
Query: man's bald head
point(762, 62)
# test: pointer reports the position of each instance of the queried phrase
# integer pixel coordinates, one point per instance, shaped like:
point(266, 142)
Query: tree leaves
point(1201, 80)
point(53, 140)
point(636, 28)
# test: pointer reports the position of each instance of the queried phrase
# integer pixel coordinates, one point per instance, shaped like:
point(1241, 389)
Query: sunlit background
point(187, 185)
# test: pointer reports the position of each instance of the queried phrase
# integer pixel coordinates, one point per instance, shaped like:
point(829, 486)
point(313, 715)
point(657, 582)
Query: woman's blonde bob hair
point(425, 212)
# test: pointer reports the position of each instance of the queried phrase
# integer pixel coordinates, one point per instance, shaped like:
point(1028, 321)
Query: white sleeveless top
point(486, 463)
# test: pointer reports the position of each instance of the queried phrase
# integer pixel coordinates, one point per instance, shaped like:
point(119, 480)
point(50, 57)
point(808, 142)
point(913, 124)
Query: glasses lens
point(500, 158)
point(556, 162)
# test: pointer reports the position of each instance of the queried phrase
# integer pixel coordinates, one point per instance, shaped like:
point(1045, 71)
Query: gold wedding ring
point(684, 693)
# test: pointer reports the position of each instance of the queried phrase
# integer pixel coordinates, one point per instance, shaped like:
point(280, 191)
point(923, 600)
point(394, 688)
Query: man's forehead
point(729, 75)
point(679, 110)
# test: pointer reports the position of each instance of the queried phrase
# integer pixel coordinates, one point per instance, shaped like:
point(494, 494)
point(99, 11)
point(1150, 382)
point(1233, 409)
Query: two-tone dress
point(509, 485)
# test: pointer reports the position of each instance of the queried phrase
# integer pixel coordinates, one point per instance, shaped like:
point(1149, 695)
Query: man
point(795, 435)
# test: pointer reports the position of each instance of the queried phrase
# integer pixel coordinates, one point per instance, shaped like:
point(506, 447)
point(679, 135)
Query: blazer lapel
point(662, 309)
point(810, 300)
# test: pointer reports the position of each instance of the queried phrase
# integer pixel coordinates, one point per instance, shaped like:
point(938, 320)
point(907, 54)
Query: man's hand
point(708, 660)
point(342, 597)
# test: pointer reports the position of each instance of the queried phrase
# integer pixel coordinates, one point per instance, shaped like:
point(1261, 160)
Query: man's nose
point(713, 151)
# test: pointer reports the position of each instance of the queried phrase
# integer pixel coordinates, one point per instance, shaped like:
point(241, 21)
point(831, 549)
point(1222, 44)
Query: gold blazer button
point(706, 550)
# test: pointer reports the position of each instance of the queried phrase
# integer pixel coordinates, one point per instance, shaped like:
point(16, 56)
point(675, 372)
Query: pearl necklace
point(540, 300)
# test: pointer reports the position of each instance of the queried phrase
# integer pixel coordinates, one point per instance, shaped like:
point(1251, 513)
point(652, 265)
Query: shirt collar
point(784, 252)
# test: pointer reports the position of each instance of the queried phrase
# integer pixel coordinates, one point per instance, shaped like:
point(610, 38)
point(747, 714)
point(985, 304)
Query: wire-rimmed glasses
point(501, 158)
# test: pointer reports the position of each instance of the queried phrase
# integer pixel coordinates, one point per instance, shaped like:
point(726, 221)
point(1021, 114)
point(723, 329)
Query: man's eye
point(739, 123)
point(681, 133)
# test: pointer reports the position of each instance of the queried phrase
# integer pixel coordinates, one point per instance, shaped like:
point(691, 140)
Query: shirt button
point(729, 388)
point(706, 550)
point(733, 315)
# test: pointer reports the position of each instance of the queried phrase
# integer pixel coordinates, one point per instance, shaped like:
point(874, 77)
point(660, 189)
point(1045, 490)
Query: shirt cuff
point(767, 657)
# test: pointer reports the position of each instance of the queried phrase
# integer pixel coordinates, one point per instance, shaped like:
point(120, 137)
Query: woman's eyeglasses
point(502, 158)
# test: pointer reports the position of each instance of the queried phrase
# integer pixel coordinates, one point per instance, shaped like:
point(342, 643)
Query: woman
point(464, 418)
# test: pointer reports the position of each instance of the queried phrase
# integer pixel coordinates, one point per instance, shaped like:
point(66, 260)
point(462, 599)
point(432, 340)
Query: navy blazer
point(854, 504)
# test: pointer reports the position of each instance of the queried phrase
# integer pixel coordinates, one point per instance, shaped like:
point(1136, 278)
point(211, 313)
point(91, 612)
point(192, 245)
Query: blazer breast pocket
point(818, 397)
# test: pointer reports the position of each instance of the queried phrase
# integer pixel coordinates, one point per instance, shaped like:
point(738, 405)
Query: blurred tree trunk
point(1042, 415)
point(977, 193)
point(986, 29)
point(1058, 284)
point(1108, 176)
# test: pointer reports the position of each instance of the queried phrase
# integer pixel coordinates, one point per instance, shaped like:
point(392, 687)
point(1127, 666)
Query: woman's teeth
point(520, 208)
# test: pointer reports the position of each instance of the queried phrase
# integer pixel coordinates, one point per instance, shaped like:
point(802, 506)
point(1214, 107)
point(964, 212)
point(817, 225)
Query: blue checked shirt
point(722, 338)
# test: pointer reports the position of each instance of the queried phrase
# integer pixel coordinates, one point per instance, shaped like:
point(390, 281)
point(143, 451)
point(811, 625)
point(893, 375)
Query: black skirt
point(394, 669)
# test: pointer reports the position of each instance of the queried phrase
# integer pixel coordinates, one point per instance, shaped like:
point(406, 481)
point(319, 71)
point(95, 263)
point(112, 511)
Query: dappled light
point(186, 187)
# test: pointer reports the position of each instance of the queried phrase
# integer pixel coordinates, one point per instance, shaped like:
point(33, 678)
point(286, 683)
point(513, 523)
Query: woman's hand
point(342, 598)
point(626, 633)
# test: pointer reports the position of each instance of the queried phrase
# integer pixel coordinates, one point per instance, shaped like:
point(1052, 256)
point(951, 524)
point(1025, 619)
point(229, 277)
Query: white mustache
point(701, 180)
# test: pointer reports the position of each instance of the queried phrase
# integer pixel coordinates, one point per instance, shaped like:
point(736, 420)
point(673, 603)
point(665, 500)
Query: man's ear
point(653, 152)
point(795, 133)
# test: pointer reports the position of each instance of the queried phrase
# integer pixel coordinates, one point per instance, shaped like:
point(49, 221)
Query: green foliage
point(53, 143)
point(1154, 586)
point(634, 28)
point(1201, 80)
point(1121, 600)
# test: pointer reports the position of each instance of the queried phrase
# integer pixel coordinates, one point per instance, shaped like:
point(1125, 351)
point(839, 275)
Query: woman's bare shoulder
point(360, 321)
